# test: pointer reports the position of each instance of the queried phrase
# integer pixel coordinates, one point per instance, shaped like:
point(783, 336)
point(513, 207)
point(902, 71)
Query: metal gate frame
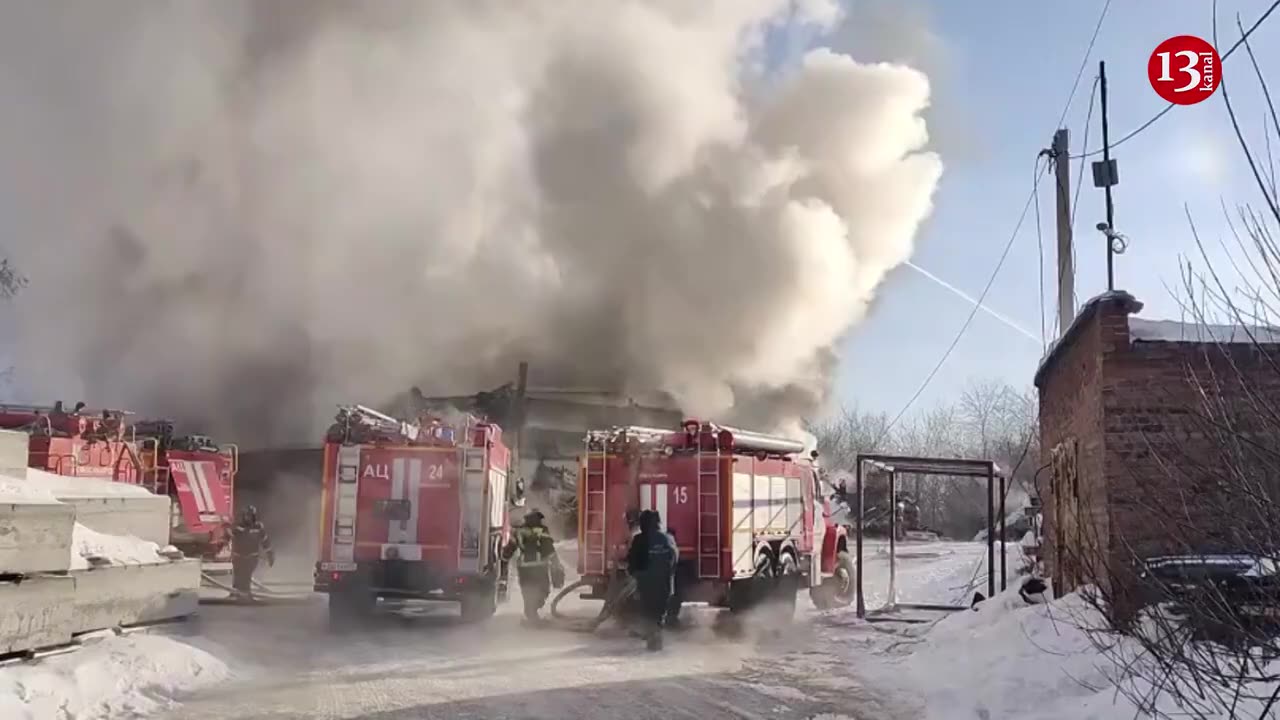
point(891, 465)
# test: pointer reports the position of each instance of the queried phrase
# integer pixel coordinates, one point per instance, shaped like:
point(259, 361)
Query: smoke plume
point(241, 213)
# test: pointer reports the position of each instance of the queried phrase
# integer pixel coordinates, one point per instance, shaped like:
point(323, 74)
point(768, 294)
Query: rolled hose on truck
point(619, 592)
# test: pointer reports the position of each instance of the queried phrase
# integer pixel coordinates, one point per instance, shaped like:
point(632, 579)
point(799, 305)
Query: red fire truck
point(200, 477)
point(74, 442)
point(196, 474)
point(412, 511)
point(747, 511)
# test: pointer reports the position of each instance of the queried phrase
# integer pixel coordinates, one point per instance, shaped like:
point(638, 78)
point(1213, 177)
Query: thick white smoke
point(241, 213)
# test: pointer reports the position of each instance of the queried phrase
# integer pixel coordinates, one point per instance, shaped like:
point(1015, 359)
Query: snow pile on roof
point(125, 676)
point(83, 486)
point(92, 548)
point(1009, 659)
point(1141, 330)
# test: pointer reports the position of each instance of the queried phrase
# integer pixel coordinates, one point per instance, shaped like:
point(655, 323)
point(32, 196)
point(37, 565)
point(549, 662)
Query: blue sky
point(1001, 74)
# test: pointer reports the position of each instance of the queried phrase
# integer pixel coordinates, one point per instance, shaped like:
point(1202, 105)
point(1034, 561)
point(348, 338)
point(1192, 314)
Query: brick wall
point(1071, 420)
point(1149, 478)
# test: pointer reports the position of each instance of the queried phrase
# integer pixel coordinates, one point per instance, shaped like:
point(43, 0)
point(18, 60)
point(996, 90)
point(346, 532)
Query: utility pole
point(1109, 178)
point(1066, 263)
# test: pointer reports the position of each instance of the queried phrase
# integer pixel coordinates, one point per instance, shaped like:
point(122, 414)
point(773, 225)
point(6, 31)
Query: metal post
point(991, 530)
point(1004, 573)
point(893, 537)
point(1106, 161)
point(857, 489)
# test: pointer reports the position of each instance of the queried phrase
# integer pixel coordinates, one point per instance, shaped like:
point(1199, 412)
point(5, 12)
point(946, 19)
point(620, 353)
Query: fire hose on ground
point(617, 594)
point(263, 595)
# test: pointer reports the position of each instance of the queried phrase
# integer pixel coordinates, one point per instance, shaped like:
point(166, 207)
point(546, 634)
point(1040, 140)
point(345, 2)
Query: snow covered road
point(284, 663)
point(427, 665)
point(288, 666)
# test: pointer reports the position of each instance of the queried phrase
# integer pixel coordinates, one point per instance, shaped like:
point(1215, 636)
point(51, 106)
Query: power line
point(972, 313)
point(1084, 61)
point(1032, 197)
point(1170, 106)
point(1040, 251)
point(1075, 201)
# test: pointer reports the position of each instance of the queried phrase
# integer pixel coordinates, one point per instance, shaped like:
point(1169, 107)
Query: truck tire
point(836, 591)
point(349, 607)
point(783, 602)
point(479, 605)
point(746, 594)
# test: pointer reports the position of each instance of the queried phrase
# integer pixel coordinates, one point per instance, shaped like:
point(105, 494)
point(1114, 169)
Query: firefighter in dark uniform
point(249, 542)
point(651, 560)
point(539, 567)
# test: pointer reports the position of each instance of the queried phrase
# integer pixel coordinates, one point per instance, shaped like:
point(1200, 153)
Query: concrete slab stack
point(47, 594)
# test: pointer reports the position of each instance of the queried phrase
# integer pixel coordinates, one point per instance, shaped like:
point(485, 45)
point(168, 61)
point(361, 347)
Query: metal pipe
point(861, 602)
point(991, 532)
point(1004, 573)
point(893, 537)
point(759, 441)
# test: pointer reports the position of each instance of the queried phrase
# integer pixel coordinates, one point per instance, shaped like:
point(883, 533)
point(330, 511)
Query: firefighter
point(249, 542)
point(651, 560)
point(539, 567)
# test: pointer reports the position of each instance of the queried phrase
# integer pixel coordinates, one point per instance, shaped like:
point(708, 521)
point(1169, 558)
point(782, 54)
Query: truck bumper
point(399, 579)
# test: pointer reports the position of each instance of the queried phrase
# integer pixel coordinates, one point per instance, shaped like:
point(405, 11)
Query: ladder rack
point(709, 467)
point(379, 423)
point(595, 538)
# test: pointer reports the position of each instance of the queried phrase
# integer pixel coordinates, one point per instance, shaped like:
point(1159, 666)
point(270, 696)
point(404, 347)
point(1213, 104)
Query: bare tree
point(990, 420)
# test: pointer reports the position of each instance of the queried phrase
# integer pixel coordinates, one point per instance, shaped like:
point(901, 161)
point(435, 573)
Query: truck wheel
point(836, 591)
point(748, 593)
point(350, 607)
point(480, 605)
point(787, 585)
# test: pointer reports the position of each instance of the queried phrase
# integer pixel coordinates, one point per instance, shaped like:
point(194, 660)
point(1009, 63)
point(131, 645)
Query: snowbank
point(92, 548)
point(1008, 659)
point(116, 677)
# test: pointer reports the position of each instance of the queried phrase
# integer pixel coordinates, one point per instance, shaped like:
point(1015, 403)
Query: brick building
point(1132, 467)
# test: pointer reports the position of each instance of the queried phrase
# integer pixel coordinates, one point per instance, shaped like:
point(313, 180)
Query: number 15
point(681, 494)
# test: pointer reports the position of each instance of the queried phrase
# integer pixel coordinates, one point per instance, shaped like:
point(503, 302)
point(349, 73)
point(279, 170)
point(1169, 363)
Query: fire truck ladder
point(377, 422)
point(594, 514)
point(709, 508)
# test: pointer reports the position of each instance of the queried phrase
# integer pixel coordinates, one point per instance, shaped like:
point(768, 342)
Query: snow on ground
point(112, 677)
point(1009, 659)
point(945, 573)
point(90, 547)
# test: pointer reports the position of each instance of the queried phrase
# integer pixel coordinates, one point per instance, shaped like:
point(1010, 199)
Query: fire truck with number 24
point(415, 510)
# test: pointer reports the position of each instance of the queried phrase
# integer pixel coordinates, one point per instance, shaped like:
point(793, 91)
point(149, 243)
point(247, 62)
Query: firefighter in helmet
point(539, 567)
point(249, 543)
point(651, 560)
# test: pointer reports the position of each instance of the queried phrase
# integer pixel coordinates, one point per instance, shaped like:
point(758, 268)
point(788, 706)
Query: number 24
point(435, 472)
